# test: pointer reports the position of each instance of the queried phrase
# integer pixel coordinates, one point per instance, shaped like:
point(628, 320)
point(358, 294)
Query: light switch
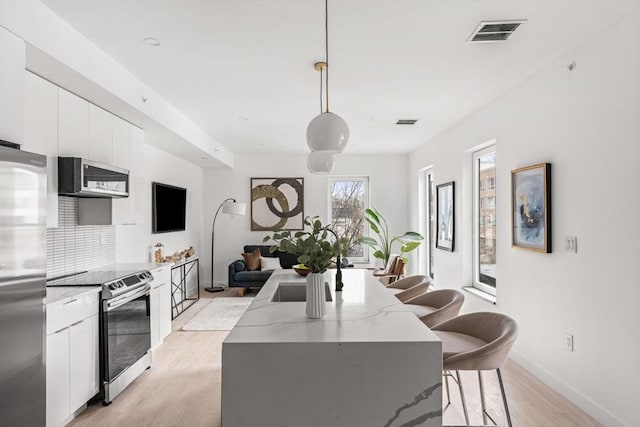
point(571, 244)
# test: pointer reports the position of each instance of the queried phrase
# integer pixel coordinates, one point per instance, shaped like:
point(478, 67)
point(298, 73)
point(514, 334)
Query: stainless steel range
point(125, 326)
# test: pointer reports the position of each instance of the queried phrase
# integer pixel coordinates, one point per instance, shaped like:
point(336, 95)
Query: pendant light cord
point(321, 91)
point(326, 48)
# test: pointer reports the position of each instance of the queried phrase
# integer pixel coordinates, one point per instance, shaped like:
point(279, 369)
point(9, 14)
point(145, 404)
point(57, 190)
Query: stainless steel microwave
point(84, 178)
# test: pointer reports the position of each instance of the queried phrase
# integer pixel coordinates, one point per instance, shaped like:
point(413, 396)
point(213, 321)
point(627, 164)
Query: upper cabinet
point(73, 125)
point(100, 135)
point(12, 63)
point(121, 148)
point(128, 141)
point(41, 133)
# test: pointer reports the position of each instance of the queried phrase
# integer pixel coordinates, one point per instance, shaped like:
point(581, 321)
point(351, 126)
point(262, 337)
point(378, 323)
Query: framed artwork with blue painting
point(531, 208)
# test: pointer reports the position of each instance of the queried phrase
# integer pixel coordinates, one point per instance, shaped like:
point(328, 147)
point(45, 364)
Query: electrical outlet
point(571, 243)
point(103, 238)
point(568, 341)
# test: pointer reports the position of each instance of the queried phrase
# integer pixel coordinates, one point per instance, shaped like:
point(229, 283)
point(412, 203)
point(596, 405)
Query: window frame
point(365, 180)
point(426, 198)
point(476, 218)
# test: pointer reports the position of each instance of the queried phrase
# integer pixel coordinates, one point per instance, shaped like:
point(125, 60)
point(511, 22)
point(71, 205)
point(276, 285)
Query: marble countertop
point(363, 312)
point(62, 294)
point(123, 266)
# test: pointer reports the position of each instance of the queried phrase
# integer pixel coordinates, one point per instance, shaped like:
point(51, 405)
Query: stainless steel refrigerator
point(22, 288)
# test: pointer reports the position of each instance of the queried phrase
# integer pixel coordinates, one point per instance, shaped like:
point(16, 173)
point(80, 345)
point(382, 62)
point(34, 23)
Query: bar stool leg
point(504, 398)
point(482, 400)
point(464, 402)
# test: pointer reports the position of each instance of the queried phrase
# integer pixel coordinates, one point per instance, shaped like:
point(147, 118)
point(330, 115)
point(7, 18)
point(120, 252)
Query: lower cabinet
point(84, 363)
point(160, 300)
point(58, 377)
point(72, 360)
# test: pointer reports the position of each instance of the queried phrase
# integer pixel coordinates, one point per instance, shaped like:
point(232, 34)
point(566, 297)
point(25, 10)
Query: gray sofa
point(240, 277)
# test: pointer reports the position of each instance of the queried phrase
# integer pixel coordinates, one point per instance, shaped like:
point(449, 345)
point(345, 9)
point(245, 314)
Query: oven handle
point(114, 303)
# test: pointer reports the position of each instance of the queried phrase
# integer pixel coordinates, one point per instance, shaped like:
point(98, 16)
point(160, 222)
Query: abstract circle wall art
point(277, 204)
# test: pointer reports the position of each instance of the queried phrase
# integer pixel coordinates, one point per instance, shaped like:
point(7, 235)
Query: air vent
point(494, 31)
point(406, 121)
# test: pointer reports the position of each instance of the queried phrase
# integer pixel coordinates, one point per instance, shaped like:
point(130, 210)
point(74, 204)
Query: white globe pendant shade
point(327, 132)
point(320, 162)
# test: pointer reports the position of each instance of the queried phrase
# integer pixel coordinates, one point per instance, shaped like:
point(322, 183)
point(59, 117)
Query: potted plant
point(382, 247)
point(315, 248)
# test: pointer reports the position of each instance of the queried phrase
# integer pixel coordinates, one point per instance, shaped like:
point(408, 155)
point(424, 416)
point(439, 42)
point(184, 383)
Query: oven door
point(126, 332)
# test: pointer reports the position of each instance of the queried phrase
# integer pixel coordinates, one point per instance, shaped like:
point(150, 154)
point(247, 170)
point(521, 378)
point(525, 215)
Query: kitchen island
point(369, 362)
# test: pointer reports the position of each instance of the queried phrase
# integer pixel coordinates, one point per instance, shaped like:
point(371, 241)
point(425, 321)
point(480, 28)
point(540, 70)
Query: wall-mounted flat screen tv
point(169, 208)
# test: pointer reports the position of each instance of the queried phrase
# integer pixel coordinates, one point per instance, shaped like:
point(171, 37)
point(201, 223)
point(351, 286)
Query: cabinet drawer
point(161, 276)
point(75, 310)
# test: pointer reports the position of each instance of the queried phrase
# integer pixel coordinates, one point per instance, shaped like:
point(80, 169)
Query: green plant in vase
point(315, 247)
point(316, 250)
point(383, 245)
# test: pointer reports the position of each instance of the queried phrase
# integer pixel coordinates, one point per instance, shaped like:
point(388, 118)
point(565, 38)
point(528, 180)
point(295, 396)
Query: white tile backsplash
point(72, 248)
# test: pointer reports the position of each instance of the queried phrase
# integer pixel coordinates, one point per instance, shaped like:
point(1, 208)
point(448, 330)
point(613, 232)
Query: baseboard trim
point(575, 397)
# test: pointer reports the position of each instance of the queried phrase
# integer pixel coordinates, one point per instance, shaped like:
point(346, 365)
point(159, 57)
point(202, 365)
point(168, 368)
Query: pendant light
point(327, 133)
point(320, 162)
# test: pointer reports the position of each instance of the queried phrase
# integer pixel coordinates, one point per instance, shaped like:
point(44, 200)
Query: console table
point(181, 272)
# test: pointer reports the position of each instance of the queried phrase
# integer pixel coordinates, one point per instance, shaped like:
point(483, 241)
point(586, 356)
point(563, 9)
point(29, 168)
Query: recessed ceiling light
point(152, 41)
point(243, 118)
point(260, 144)
point(369, 118)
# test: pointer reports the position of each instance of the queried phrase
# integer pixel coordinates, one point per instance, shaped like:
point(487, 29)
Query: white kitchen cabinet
point(160, 300)
point(12, 65)
point(130, 210)
point(57, 377)
point(41, 133)
point(164, 314)
point(121, 147)
point(73, 125)
point(100, 135)
point(83, 361)
point(122, 208)
point(141, 206)
point(72, 356)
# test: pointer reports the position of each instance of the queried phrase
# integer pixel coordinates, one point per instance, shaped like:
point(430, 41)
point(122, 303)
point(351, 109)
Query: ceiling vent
point(494, 31)
point(406, 121)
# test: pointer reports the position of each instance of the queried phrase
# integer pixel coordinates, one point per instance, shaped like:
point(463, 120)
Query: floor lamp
point(231, 207)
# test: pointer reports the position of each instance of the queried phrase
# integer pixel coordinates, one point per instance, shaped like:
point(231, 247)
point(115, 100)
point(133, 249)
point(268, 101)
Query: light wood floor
point(183, 389)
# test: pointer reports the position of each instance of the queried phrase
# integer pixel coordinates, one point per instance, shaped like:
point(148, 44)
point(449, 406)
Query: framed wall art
point(277, 204)
point(445, 210)
point(531, 208)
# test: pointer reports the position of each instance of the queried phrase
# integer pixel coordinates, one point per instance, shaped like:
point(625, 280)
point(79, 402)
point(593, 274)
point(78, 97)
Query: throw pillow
point(252, 260)
point(270, 263)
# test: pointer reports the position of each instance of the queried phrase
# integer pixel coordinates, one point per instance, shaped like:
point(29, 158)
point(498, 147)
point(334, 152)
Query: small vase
point(315, 308)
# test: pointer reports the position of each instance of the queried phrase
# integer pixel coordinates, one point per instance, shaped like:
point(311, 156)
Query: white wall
point(387, 190)
point(587, 124)
point(133, 242)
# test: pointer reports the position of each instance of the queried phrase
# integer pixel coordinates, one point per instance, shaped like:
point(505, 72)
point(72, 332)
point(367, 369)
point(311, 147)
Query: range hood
point(85, 178)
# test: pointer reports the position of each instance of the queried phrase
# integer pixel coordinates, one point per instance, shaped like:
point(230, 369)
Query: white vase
point(315, 308)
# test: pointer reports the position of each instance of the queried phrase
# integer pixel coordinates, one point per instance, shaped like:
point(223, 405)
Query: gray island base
point(368, 362)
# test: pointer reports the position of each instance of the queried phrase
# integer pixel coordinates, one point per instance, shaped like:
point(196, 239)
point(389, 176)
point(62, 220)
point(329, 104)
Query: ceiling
point(243, 69)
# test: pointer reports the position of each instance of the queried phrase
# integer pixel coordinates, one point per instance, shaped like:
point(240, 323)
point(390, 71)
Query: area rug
point(221, 314)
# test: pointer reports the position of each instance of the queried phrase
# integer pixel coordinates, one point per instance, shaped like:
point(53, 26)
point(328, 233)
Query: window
point(484, 220)
point(428, 222)
point(348, 198)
